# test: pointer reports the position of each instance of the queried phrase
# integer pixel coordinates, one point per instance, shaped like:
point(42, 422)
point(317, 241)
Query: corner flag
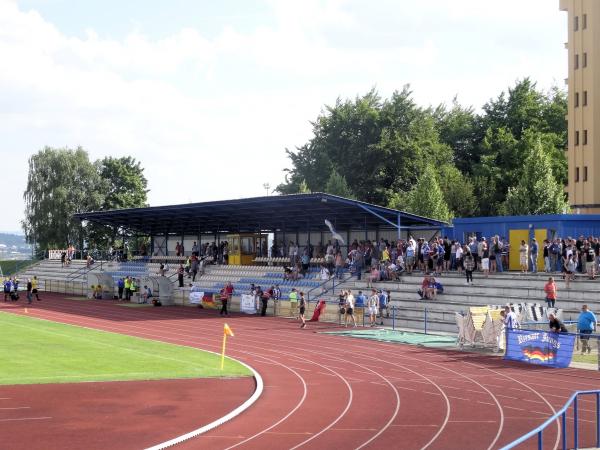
point(226, 332)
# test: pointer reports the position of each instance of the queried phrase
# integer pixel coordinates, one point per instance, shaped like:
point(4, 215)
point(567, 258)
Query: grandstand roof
point(296, 212)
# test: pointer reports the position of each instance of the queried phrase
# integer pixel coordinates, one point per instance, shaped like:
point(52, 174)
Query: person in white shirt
point(349, 309)
point(510, 318)
point(459, 256)
point(372, 304)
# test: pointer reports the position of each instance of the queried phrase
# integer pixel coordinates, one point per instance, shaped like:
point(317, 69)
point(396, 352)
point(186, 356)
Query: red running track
point(330, 392)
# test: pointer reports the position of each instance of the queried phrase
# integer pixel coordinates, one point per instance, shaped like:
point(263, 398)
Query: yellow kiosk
point(243, 248)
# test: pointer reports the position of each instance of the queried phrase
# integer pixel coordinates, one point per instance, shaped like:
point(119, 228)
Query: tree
point(458, 191)
point(427, 199)
point(60, 183)
point(537, 191)
point(336, 185)
point(124, 186)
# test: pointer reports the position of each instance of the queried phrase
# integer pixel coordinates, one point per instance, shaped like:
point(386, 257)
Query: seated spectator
point(426, 291)
point(97, 292)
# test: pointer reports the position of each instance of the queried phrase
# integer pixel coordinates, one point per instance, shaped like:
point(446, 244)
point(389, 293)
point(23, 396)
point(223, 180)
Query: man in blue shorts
point(586, 324)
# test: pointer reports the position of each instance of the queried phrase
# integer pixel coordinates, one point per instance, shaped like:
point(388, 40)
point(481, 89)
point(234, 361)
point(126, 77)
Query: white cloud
point(210, 117)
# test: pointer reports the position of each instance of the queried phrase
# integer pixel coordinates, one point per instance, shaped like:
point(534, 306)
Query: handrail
point(84, 271)
point(562, 413)
point(332, 279)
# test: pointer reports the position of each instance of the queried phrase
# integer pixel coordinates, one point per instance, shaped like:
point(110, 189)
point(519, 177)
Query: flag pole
point(223, 350)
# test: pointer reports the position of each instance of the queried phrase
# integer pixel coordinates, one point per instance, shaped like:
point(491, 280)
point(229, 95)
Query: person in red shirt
point(226, 294)
point(550, 290)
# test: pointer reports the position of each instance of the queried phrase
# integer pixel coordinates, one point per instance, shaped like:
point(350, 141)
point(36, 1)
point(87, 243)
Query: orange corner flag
point(227, 330)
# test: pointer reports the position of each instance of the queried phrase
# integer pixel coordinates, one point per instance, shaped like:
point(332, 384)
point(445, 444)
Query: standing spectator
point(469, 264)
point(590, 257)
point(523, 252)
point(293, 296)
point(29, 289)
point(264, 298)
point(372, 304)
point(550, 290)
point(180, 272)
point(178, 249)
point(194, 267)
point(226, 294)
point(499, 250)
point(554, 255)
point(34, 288)
point(569, 270)
point(410, 256)
point(546, 255)
point(383, 305)
point(458, 254)
point(302, 306)
point(534, 255)
point(349, 308)
point(586, 324)
point(127, 285)
point(195, 249)
point(121, 287)
point(510, 318)
point(485, 258)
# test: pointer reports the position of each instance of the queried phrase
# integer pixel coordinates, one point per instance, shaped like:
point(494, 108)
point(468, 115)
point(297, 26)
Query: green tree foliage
point(61, 182)
point(427, 199)
point(123, 186)
point(126, 185)
point(337, 185)
point(537, 191)
point(381, 147)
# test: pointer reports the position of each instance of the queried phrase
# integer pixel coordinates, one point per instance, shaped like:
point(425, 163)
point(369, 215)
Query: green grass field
point(36, 351)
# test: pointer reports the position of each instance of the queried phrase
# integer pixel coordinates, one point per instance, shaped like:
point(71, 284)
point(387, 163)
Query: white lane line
point(416, 425)
point(300, 402)
point(472, 421)
point(25, 418)
point(17, 407)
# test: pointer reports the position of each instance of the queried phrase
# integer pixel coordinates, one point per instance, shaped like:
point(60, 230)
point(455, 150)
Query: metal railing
point(562, 414)
point(84, 270)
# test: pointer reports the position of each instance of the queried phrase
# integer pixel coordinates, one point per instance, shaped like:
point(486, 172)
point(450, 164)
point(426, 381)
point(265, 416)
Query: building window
point(584, 21)
point(585, 173)
point(576, 174)
point(575, 23)
point(576, 63)
point(584, 62)
point(584, 98)
point(584, 137)
point(576, 99)
point(577, 138)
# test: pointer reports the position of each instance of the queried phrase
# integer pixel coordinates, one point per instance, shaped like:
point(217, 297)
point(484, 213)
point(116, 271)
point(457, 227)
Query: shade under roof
point(289, 213)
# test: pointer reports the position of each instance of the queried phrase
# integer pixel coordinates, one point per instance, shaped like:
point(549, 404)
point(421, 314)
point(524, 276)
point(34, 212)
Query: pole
point(223, 350)
point(425, 320)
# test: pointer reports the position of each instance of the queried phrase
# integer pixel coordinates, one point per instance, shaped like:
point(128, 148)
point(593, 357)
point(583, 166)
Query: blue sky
point(202, 91)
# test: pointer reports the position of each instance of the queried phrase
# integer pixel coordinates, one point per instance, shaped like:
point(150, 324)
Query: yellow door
point(540, 237)
point(514, 238)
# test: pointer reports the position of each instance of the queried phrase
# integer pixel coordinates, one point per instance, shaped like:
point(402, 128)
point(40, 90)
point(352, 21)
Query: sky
point(208, 95)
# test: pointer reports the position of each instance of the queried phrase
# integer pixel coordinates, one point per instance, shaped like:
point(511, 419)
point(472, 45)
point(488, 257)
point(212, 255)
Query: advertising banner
point(540, 347)
point(248, 304)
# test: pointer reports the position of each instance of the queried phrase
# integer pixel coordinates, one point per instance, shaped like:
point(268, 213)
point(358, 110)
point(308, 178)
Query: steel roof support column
point(167, 243)
point(366, 230)
point(399, 228)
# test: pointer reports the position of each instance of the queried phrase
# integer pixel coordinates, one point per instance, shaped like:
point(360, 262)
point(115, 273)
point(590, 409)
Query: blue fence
point(562, 414)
